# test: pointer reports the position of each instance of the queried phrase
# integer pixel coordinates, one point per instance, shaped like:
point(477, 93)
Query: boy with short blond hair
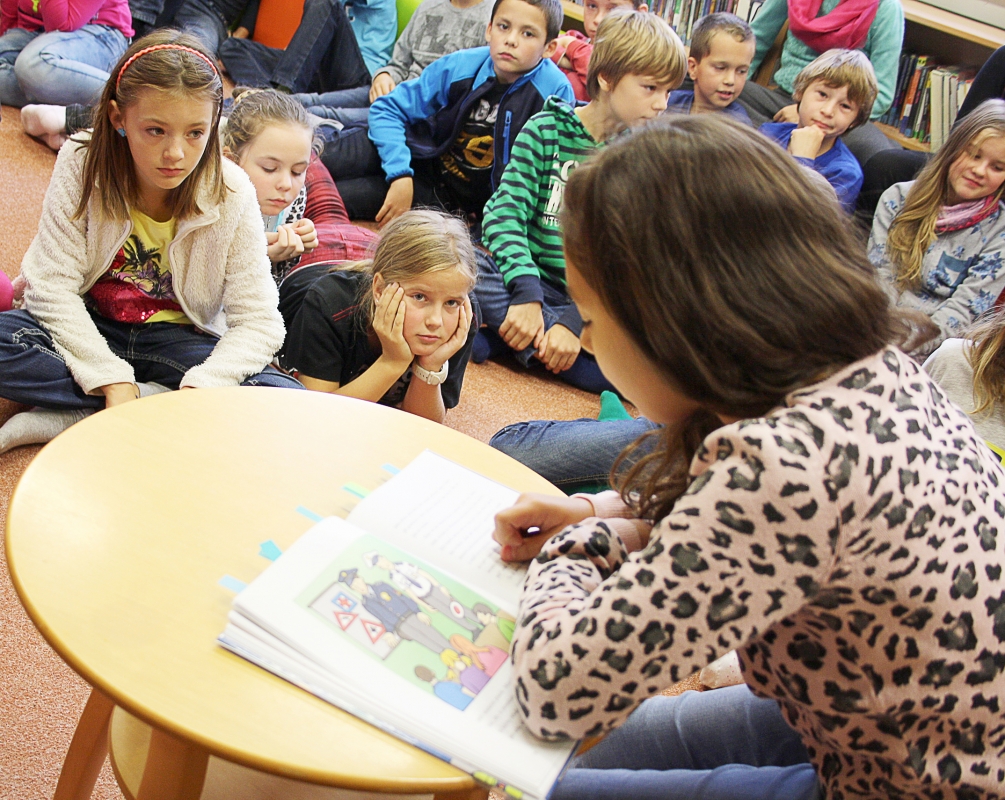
point(637, 59)
point(574, 48)
point(722, 47)
point(444, 138)
point(835, 94)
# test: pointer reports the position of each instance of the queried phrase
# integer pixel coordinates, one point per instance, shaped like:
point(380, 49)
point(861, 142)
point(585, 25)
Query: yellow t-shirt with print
point(138, 286)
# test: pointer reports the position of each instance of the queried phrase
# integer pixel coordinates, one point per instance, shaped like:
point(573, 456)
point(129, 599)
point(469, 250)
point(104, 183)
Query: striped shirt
point(521, 224)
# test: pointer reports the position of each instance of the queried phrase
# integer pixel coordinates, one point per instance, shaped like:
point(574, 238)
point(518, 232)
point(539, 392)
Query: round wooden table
point(120, 531)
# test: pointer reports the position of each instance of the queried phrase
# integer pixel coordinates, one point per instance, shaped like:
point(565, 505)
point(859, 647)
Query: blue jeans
point(348, 106)
point(573, 453)
point(724, 744)
point(203, 20)
point(322, 56)
point(57, 68)
point(494, 300)
point(33, 373)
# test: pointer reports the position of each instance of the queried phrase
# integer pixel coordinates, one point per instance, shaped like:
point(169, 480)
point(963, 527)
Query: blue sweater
point(421, 118)
point(837, 165)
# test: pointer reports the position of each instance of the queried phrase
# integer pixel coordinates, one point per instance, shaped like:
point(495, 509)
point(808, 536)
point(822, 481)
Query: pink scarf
point(964, 215)
point(846, 26)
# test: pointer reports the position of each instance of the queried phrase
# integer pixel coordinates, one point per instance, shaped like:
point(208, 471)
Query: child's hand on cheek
point(446, 351)
point(559, 349)
point(788, 114)
point(389, 325)
point(805, 142)
point(304, 228)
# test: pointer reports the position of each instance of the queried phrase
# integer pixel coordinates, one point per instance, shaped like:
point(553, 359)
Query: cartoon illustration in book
point(346, 611)
point(400, 615)
point(461, 669)
point(430, 629)
point(449, 691)
point(425, 590)
point(488, 658)
point(497, 628)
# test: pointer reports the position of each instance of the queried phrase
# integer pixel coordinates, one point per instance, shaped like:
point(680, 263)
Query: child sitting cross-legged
point(574, 48)
point(443, 139)
point(835, 93)
point(722, 47)
point(637, 59)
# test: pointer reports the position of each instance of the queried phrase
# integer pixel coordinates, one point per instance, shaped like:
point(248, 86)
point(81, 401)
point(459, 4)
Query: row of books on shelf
point(927, 98)
point(683, 14)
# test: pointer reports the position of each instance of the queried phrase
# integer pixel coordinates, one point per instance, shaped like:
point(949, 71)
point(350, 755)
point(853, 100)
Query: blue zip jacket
point(421, 118)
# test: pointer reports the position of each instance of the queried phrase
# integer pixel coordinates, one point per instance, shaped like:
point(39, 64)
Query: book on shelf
point(927, 98)
point(402, 615)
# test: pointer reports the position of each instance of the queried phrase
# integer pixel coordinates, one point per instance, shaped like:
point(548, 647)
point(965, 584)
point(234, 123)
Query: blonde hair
point(417, 243)
point(986, 356)
point(838, 68)
point(256, 110)
point(635, 43)
point(108, 165)
point(708, 26)
point(913, 229)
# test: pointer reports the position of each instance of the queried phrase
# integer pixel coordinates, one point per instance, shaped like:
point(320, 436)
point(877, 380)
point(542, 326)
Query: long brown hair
point(737, 277)
point(987, 359)
point(913, 229)
point(108, 166)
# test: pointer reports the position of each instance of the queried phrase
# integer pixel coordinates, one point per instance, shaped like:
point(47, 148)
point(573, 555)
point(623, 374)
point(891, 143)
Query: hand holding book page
point(377, 615)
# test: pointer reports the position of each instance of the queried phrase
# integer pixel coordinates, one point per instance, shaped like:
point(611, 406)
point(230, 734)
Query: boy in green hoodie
point(637, 60)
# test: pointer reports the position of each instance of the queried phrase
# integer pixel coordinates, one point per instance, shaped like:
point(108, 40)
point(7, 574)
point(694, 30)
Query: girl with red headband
point(149, 268)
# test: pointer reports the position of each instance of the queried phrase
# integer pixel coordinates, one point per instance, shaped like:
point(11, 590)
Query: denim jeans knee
point(63, 68)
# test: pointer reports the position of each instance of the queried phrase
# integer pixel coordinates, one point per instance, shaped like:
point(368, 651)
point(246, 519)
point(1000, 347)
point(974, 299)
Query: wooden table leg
point(88, 750)
point(175, 769)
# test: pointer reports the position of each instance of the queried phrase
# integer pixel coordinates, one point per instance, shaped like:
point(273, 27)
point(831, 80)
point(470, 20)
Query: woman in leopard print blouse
point(819, 506)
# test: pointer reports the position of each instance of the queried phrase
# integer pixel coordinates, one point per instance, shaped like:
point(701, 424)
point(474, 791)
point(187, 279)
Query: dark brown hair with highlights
point(748, 283)
point(108, 166)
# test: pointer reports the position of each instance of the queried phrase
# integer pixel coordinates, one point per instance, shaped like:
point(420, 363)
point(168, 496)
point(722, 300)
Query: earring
point(121, 132)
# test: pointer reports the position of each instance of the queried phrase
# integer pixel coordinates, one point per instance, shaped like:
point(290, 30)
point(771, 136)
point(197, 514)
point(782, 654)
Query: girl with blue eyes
point(395, 329)
point(149, 266)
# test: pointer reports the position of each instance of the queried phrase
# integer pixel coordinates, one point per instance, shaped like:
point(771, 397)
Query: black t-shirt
point(326, 338)
point(466, 166)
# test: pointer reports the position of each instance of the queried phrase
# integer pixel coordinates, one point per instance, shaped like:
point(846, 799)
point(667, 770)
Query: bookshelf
point(953, 24)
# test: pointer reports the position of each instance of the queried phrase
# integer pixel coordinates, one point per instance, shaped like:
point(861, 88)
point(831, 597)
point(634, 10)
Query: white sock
point(39, 120)
point(147, 389)
point(41, 425)
point(38, 426)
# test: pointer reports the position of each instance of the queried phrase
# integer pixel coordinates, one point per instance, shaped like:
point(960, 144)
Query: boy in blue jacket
point(444, 138)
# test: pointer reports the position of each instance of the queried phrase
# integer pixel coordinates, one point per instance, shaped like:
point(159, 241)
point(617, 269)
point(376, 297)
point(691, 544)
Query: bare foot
point(47, 123)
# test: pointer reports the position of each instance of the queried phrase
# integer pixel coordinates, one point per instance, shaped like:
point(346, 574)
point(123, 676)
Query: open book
point(379, 615)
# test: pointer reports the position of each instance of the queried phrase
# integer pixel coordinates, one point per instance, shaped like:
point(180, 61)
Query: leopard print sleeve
point(599, 631)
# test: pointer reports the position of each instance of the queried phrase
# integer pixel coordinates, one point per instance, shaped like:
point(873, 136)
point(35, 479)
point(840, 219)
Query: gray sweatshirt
point(435, 29)
point(961, 274)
